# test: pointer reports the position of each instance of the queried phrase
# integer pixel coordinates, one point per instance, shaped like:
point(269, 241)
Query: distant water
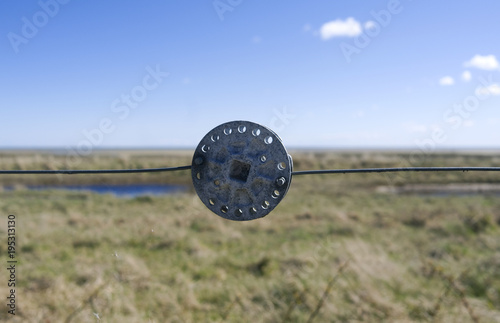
point(443, 190)
point(127, 191)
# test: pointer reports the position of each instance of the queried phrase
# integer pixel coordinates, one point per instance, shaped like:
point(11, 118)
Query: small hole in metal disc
point(242, 129)
point(228, 131)
point(205, 148)
point(224, 209)
point(281, 166)
point(211, 201)
point(281, 181)
point(263, 158)
point(275, 194)
point(198, 175)
point(238, 212)
point(253, 210)
point(268, 140)
point(265, 205)
point(214, 138)
point(256, 132)
point(217, 182)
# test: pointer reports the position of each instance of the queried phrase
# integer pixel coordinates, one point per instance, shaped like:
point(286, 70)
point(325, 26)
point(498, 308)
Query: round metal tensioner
point(241, 170)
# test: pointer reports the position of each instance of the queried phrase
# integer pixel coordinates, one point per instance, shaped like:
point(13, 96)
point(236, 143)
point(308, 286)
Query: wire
point(95, 171)
point(399, 169)
point(304, 172)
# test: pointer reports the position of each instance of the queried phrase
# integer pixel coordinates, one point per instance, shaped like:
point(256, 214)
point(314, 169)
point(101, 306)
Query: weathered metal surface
point(241, 170)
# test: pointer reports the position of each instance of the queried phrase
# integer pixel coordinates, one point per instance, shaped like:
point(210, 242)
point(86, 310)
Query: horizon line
point(398, 148)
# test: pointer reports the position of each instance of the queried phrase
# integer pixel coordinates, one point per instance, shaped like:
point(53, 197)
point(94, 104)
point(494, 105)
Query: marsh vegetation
point(336, 249)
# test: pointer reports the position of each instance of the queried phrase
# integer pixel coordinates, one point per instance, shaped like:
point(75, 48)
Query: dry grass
point(334, 250)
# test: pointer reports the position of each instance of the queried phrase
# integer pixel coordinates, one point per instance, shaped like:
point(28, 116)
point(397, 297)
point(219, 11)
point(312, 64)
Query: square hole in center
point(239, 170)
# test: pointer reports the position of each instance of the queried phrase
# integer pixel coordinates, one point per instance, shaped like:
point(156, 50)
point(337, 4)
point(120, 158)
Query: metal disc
point(241, 170)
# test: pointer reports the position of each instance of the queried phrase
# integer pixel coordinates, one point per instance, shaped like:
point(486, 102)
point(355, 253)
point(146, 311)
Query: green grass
point(335, 249)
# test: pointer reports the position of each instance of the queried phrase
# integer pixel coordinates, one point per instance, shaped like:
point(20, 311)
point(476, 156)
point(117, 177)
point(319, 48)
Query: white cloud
point(370, 24)
point(341, 28)
point(488, 62)
point(466, 76)
point(493, 89)
point(447, 80)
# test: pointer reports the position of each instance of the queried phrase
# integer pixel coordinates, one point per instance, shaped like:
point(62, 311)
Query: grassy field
point(337, 248)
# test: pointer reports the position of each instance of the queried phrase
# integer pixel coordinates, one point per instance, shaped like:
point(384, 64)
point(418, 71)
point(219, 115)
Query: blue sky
point(96, 74)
